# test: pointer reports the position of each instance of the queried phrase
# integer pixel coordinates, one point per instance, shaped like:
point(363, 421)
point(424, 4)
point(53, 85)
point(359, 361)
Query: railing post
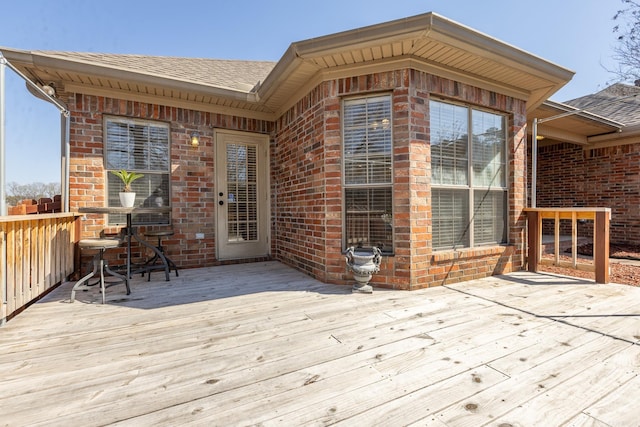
point(533, 240)
point(77, 260)
point(3, 280)
point(601, 246)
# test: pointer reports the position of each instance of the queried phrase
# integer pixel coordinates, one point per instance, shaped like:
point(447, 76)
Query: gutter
point(44, 61)
point(568, 110)
point(136, 76)
point(284, 67)
point(417, 28)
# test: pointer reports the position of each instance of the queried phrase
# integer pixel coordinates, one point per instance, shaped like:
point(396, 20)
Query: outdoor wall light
point(49, 90)
point(195, 139)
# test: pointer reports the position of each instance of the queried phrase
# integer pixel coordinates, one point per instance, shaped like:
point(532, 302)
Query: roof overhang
point(577, 127)
point(76, 75)
point(427, 42)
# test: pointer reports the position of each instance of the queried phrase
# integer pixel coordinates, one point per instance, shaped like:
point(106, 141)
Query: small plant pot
point(127, 200)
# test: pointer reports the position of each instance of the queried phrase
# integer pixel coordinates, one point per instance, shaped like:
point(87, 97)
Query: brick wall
point(192, 178)
point(466, 264)
point(306, 167)
point(303, 182)
point(569, 176)
point(306, 184)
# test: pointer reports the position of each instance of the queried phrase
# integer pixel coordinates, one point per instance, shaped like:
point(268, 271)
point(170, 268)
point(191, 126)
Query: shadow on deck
point(264, 344)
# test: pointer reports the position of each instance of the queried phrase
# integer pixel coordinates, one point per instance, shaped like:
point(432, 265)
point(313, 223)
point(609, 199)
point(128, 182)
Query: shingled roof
point(609, 103)
point(222, 73)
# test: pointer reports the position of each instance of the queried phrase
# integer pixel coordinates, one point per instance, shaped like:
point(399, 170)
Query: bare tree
point(36, 190)
point(627, 51)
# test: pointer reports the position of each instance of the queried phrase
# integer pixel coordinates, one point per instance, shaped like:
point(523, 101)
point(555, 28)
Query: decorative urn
point(363, 263)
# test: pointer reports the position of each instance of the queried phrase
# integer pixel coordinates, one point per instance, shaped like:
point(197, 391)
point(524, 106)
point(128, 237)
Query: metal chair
point(160, 260)
point(99, 264)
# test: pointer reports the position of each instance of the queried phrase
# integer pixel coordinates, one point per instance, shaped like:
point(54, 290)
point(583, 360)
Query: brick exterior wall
point(569, 176)
point(306, 170)
point(192, 178)
point(306, 183)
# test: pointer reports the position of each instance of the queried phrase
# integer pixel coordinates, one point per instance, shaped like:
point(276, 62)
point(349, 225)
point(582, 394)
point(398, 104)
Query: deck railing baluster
point(535, 229)
point(36, 254)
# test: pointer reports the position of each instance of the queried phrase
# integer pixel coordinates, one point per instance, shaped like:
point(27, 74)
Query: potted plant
point(127, 197)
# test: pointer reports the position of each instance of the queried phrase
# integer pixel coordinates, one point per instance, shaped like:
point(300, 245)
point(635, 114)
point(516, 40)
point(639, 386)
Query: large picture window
point(468, 167)
point(368, 175)
point(141, 146)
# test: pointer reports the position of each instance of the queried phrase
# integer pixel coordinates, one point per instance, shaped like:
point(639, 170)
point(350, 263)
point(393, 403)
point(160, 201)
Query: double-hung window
point(368, 172)
point(138, 146)
point(468, 176)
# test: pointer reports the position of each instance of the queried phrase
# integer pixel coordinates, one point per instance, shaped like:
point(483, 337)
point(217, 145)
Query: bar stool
point(153, 264)
point(99, 264)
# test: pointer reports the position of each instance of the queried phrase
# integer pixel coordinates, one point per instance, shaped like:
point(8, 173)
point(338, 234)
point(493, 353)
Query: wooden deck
point(264, 344)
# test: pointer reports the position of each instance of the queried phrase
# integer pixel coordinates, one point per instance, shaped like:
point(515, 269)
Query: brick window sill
point(470, 253)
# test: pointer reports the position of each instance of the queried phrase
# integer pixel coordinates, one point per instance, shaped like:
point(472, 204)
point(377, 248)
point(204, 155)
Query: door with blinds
point(242, 195)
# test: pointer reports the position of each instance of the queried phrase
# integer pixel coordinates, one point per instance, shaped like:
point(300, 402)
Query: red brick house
point(592, 157)
point(409, 135)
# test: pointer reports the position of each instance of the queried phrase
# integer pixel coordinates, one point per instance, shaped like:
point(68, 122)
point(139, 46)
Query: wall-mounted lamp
point(195, 139)
point(49, 90)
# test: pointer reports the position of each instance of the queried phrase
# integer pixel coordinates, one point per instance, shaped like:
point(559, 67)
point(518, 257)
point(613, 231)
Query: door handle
point(221, 202)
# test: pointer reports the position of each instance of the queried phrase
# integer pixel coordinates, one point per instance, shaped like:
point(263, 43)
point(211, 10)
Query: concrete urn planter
point(363, 263)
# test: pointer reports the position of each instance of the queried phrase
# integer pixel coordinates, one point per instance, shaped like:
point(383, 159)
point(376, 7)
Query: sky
point(575, 34)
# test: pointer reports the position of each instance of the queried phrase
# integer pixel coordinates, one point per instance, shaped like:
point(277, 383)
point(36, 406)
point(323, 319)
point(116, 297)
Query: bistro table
point(130, 231)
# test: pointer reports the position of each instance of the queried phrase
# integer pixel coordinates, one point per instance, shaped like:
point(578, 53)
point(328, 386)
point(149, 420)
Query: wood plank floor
point(263, 344)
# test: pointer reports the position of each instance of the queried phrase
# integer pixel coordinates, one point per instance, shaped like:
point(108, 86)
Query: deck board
point(610, 373)
point(618, 407)
point(265, 344)
point(486, 406)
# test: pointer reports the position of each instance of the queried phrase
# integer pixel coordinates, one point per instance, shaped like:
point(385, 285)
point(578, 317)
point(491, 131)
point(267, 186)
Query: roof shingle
point(609, 103)
point(230, 74)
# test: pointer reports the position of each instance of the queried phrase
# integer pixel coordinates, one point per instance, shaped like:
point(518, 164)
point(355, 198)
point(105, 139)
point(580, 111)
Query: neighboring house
point(592, 158)
point(409, 135)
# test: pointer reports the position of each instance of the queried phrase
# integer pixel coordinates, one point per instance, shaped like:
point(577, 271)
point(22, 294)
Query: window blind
point(468, 166)
point(368, 176)
point(141, 146)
